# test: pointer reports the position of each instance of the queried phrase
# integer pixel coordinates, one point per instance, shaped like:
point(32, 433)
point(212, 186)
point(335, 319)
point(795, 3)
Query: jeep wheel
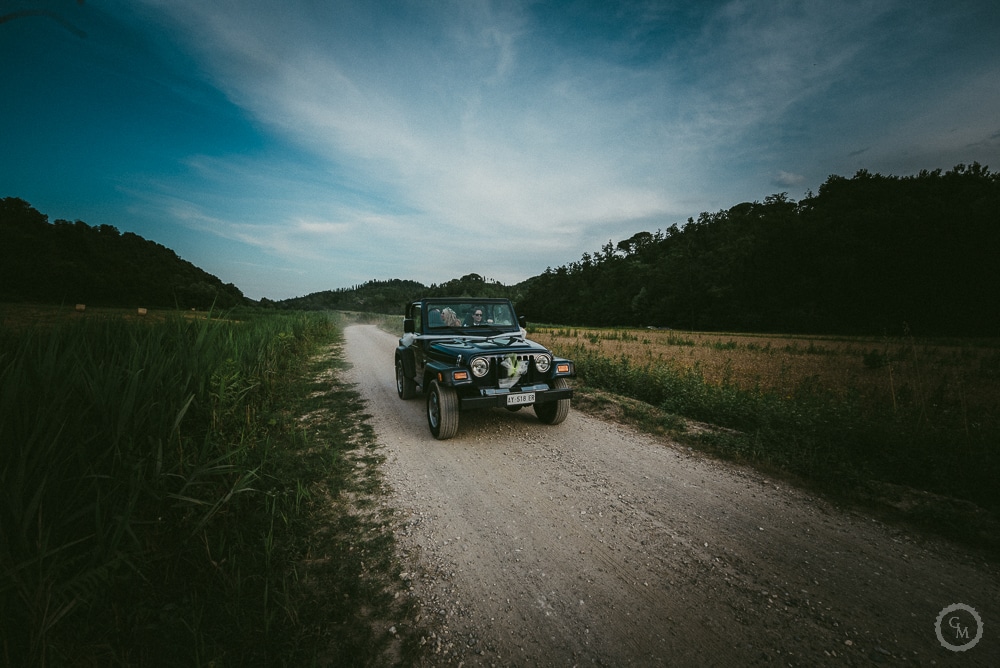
point(442, 411)
point(554, 412)
point(405, 387)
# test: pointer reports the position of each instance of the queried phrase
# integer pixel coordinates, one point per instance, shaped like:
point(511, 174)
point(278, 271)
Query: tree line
point(73, 262)
point(391, 296)
point(872, 254)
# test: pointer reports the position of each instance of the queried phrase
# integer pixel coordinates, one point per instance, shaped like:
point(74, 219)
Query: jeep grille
point(509, 370)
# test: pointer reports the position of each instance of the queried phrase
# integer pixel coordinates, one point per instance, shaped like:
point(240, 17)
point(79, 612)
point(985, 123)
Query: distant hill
point(392, 295)
point(72, 262)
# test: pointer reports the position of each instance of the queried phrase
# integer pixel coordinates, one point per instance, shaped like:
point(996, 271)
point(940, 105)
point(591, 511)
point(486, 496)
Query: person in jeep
point(465, 354)
point(476, 319)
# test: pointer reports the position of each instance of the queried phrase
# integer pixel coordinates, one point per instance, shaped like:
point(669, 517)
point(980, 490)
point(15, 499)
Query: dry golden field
point(890, 373)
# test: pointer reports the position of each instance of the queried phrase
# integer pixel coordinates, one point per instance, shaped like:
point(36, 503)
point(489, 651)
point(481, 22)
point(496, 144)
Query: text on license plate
point(520, 398)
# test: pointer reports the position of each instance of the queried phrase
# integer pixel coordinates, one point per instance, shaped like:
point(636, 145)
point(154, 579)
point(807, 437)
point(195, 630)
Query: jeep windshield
point(474, 318)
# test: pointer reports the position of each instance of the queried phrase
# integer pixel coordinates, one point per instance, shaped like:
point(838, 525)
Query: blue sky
point(291, 147)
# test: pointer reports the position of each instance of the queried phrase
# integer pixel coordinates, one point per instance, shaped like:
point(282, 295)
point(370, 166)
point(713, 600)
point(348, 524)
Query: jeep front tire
point(554, 412)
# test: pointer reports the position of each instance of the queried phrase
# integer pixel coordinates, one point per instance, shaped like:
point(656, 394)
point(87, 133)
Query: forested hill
point(868, 255)
point(72, 262)
point(392, 295)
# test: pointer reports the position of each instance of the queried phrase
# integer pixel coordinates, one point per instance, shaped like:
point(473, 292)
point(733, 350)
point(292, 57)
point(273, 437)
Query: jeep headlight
point(543, 362)
point(480, 367)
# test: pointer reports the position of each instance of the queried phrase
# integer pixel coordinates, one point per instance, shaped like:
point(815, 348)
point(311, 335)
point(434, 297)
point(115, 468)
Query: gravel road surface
point(589, 543)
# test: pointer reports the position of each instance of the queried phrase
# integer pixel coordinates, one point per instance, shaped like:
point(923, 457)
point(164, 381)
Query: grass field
point(950, 381)
point(912, 425)
point(180, 489)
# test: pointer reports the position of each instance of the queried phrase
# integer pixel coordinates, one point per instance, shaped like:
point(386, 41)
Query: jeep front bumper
point(501, 398)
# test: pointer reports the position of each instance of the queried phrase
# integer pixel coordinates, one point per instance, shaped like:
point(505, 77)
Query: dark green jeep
point(474, 353)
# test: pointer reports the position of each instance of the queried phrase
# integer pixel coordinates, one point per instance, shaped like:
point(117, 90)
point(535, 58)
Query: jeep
point(474, 353)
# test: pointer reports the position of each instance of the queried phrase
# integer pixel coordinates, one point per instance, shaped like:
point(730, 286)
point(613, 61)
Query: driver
point(477, 317)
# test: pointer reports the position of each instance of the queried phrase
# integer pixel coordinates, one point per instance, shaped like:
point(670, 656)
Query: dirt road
point(591, 544)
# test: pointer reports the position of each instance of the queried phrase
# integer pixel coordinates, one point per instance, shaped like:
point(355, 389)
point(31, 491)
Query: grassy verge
point(353, 605)
point(162, 483)
point(940, 477)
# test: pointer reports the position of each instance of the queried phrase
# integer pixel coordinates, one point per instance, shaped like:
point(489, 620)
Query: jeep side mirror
point(407, 325)
point(522, 322)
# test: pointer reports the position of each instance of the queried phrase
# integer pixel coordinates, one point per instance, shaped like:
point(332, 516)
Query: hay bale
point(81, 307)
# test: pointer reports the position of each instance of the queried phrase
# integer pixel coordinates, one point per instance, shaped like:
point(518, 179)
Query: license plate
point(520, 399)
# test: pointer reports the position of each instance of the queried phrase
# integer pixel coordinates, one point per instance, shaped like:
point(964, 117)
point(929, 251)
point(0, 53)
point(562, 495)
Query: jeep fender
point(442, 373)
point(409, 365)
point(556, 363)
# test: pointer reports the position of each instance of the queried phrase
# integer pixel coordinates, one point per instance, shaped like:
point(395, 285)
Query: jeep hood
point(497, 345)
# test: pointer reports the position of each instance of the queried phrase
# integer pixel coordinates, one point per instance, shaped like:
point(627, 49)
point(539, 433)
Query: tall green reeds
point(134, 484)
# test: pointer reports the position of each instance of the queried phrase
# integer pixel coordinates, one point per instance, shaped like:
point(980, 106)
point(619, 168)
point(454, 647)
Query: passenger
point(450, 318)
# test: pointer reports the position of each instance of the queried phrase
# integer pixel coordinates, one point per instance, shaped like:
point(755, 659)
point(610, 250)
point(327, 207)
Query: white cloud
point(476, 156)
point(787, 179)
point(442, 131)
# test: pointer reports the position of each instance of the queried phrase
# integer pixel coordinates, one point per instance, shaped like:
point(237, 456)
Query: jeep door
point(419, 355)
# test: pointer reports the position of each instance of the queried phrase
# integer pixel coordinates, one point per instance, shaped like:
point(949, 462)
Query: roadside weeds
point(956, 519)
point(351, 576)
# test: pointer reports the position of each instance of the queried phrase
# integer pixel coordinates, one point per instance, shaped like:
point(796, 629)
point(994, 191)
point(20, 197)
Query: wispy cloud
point(471, 140)
point(436, 134)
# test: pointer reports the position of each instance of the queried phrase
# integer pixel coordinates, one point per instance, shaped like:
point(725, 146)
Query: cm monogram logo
point(956, 626)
